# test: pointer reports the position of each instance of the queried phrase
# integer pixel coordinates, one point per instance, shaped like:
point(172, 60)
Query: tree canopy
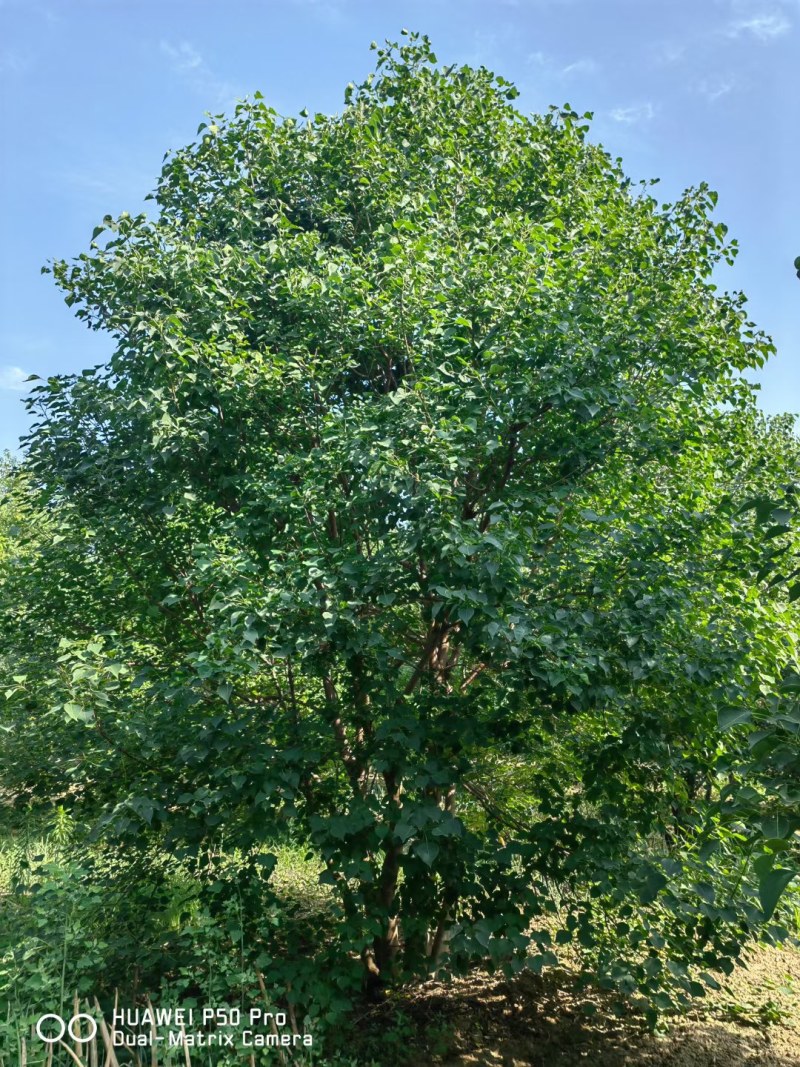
point(408, 513)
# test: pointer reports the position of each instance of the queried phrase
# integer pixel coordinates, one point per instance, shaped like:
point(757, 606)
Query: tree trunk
point(379, 961)
point(386, 945)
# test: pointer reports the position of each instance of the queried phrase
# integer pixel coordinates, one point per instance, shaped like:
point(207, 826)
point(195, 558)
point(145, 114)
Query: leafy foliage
point(407, 516)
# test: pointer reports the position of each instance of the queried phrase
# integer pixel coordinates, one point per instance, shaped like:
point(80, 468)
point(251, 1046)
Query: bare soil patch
point(480, 1021)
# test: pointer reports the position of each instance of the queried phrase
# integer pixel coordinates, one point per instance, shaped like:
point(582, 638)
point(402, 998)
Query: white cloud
point(633, 114)
point(13, 378)
point(549, 65)
point(105, 185)
point(12, 62)
point(189, 64)
point(580, 66)
point(714, 88)
point(325, 10)
point(85, 182)
point(183, 56)
point(670, 52)
point(764, 27)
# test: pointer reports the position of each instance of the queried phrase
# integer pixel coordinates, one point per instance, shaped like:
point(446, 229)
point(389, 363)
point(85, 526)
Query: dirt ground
point(543, 1022)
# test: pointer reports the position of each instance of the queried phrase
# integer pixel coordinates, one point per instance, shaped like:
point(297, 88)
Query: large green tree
point(404, 514)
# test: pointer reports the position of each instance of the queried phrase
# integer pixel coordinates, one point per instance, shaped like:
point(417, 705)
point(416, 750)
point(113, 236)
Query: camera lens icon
point(72, 1028)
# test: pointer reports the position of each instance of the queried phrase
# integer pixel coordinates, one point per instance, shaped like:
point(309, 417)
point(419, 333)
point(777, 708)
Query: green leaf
point(704, 891)
point(771, 886)
point(776, 826)
point(654, 883)
point(427, 851)
point(727, 718)
point(404, 830)
point(77, 712)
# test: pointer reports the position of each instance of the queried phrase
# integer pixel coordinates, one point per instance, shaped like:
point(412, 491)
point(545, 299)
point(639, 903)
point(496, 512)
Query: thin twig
point(67, 1049)
point(186, 1057)
point(108, 1039)
point(263, 988)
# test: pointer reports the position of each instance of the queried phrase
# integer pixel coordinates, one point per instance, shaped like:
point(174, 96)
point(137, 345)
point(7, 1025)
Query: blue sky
point(95, 91)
